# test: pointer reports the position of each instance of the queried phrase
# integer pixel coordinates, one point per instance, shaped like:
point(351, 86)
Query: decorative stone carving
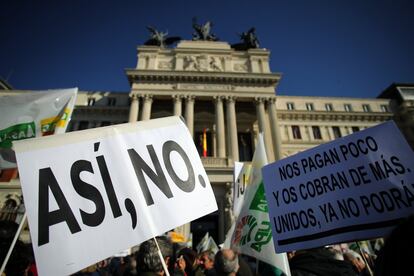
point(216, 64)
point(147, 97)
point(241, 67)
point(191, 63)
point(195, 63)
point(260, 100)
point(165, 65)
point(231, 98)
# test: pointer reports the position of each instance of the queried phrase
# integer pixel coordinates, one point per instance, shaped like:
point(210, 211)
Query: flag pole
point(16, 236)
point(363, 257)
point(164, 265)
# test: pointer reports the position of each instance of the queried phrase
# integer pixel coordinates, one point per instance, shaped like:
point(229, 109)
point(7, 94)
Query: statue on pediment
point(160, 39)
point(202, 32)
point(249, 40)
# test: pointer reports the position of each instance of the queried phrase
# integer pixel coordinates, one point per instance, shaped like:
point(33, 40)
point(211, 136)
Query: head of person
point(226, 262)
point(190, 258)
point(206, 259)
point(148, 259)
point(355, 259)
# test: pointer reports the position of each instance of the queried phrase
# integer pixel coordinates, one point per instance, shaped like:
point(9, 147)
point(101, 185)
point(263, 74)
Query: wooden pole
point(164, 265)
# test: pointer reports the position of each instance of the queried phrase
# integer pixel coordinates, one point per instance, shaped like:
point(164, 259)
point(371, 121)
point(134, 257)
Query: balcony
point(216, 162)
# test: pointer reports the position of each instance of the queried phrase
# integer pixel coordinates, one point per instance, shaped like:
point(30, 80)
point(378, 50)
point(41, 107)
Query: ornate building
point(230, 96)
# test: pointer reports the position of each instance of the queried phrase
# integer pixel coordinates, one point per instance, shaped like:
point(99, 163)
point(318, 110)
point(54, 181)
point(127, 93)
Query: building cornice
point(265, 79)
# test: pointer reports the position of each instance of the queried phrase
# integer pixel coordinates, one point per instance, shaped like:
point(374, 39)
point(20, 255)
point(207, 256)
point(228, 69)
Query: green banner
point(16, 132)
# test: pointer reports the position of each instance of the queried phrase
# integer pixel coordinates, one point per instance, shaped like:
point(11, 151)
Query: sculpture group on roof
point(202, 32)
point(160, 39)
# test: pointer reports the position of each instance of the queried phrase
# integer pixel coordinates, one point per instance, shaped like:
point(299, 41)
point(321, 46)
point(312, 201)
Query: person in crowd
point(190, 266)
point(319, 262)
point(148, 260)
point(228, 262)
point(357, 262)
point(395, 257)
point(206, 262)
point(130, 266)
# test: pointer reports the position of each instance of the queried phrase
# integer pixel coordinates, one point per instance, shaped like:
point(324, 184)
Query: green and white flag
point(252, 230)
point(31, 114)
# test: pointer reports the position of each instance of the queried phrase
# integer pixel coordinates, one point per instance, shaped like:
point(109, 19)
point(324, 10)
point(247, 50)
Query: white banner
point(241, 180)
point(90, 194)
point(32, 114)
point(354, 188)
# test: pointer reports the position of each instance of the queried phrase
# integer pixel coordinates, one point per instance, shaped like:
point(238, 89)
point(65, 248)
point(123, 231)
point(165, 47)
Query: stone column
point(232, 126)
point(275, 129)
point(214, 135)
point(261, 117)
point(221, 138)
point(134, 108)
point(177, 105)
point(189, 114)
point(146, 109)
point(260, 112)
point(330, 133)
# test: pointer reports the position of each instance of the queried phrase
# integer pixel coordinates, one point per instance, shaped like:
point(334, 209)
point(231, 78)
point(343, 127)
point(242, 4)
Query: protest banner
point(90, 194)
point(354, 188)
point(207, 243)
point(32, 114)
point(241, 180)
point(252, 233)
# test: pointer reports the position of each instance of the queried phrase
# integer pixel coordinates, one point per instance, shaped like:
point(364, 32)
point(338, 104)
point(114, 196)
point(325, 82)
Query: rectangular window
point(337, 132)
point(366, 108)
point(328, 107)
point(296, 132)
point(309, 106)
point(91, 101)
point(316, 132)
point(355, 129)
point(245, 146)
point(290, 106)
point(384, 108)
point(111, 101)
point(347, 107)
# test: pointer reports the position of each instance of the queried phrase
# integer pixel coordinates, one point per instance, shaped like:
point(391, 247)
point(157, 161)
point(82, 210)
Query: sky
point(344, 48)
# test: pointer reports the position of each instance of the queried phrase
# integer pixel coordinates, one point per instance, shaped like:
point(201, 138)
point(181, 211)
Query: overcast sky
point(343, 48)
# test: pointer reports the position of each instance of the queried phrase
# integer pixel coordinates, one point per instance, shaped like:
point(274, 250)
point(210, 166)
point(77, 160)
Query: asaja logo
point(16, 132)
point(49, 125)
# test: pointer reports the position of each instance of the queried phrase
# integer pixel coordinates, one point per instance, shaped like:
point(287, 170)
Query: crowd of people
point(393, 259)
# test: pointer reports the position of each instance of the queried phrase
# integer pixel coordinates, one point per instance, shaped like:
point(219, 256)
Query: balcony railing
point(216, 162)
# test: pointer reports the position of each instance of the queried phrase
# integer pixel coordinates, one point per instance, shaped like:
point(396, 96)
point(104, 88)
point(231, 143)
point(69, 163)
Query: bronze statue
point(202, 32)
point(160, 39)
point(249, 40)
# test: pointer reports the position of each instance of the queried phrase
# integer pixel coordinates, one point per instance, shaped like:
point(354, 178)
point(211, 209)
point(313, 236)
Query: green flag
point(252, 230)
